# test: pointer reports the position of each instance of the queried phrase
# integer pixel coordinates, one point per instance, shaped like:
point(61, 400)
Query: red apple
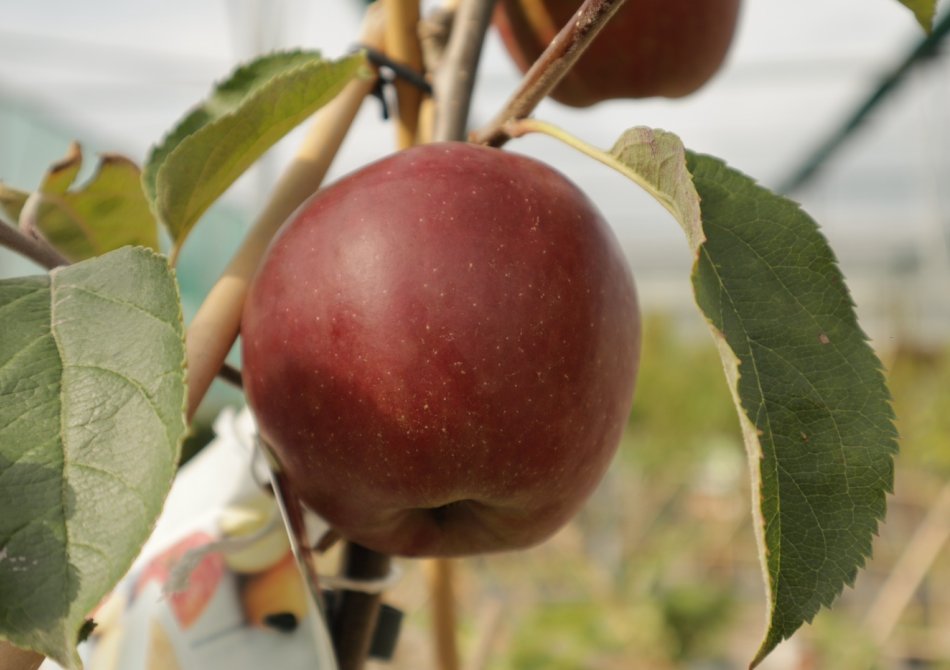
point(441, 349)
point(650, 48)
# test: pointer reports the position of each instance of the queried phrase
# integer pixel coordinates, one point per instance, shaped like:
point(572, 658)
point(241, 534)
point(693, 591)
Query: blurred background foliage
point(660, 571)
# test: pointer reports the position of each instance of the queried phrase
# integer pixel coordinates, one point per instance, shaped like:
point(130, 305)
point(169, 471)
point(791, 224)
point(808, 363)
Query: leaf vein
point(112, 475)
point(124, 303)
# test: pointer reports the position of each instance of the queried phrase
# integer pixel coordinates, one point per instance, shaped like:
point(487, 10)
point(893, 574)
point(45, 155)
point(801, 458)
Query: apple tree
point(100, 378)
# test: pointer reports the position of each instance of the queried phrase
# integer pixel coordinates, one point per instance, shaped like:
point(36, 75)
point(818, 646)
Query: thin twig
point(455, 79)
point(42, 253)
point(546, 73)
point(35, 249)
point(434, 31)
point(29, 217)
point(487, 628)
point(911, 569)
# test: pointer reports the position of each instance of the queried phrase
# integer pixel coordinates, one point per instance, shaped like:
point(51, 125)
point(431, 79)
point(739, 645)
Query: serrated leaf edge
point(152, 173)
point(73, 662)
point(150, 170)
point(731, 365)
point(351, 66)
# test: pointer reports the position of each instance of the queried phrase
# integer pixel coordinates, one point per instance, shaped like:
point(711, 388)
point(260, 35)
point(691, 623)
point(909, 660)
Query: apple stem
point(455, 79)
point(546, 72)
point(402, 45)
point(354, 622)
point(36, 249)
point(215, 326)
point(519, 127)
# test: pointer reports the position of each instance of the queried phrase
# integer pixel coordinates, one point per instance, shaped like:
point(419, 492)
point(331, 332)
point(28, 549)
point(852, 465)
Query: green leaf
point(812, 401)
point(108, 212)
point(63, 173)
point(245, 115)
point(924, 10)
point(92, 381)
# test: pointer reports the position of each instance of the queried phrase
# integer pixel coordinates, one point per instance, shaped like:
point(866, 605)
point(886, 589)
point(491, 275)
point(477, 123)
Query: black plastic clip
point(389, 72)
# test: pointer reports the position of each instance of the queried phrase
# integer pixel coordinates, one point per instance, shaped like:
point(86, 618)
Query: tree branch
point(546, 73)
point(455, 79)
point(36, 250)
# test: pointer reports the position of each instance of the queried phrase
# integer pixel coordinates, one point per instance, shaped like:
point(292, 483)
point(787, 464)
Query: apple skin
point(667, 48)
point(441, 350)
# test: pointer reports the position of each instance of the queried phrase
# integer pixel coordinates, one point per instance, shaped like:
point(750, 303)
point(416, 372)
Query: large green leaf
point(107, 212)
point(244, 116)
point(812, 401)
point(92, 381)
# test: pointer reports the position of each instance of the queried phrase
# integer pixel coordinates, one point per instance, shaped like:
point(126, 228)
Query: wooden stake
point(215, 327)
point(444, 623)
point(402, 45)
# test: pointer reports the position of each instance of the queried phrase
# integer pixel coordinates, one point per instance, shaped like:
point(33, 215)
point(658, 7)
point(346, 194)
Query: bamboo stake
point(444, 620)
point(402, 45)
point(215, 327)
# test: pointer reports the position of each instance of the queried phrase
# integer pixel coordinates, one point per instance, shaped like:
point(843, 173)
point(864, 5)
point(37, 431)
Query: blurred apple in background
point(650, 48)
point(441, 349)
